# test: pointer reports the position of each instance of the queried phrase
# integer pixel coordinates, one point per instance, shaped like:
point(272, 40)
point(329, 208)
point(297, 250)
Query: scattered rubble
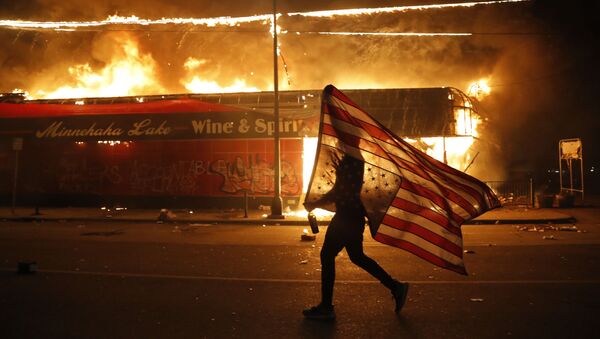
point(307, 237)
point(165, 215)
point(549, 227)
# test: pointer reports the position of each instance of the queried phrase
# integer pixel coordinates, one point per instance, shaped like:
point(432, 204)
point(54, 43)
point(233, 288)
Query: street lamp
point(276, 206)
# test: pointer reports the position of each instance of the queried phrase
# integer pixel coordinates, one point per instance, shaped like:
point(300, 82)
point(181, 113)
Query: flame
point(194, 83)
point(229, 21)
point(479, 89)
point(391, 34)
point(453, 150)
point(129, 72)
point(132, 20)
point(381, 10)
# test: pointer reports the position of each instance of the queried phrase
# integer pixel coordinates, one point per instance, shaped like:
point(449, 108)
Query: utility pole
point(277, 205)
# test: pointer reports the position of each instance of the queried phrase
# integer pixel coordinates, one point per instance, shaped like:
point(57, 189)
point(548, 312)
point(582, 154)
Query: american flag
point(413, 201)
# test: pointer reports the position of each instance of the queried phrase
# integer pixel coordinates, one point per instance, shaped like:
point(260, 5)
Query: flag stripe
point(355, 141)
point(439, 188)
point(420, 252)
point(472, 193)
point(439, 200)
point(429, 214)
point(428, 203)
point(424, 233)
point(369, 158)
point(422, 243)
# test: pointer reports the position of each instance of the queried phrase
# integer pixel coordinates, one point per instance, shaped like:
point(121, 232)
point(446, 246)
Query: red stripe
point(423, 232)
point(332, 91)
point(437, 199)
point(33, 110)
point(438, 166)
point(355, 141)
point(426, 213)
point(372, 130)
point(420, 252)
point(455, 197)
point(418, 170)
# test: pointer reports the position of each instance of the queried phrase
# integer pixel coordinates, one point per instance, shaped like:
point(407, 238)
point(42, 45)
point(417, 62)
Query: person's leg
point(331, 247)
point(399, 290)
point(354, 247)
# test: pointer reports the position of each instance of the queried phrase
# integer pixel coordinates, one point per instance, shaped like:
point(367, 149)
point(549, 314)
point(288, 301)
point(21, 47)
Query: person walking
point(346, 231)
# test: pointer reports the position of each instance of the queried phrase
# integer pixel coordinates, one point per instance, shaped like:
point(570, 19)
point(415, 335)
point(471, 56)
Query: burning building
point(200, 150)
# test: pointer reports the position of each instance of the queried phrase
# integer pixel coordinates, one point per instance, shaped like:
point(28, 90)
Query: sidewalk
point(505, 215)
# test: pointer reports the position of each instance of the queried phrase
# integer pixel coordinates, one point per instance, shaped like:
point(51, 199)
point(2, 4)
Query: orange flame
point(129, 72)
point(194, 83)
point(479, 89)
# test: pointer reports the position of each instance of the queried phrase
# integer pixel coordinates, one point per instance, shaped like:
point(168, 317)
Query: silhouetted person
point(346, 230)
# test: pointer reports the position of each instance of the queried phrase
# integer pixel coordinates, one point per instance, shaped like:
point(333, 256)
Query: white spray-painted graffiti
point(182, 177)
point(256, 177)
point(78, 176)
point(175, 178)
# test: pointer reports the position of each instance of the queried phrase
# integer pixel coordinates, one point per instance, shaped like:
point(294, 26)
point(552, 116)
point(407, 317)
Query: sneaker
point(399, 293)
point(319, 312)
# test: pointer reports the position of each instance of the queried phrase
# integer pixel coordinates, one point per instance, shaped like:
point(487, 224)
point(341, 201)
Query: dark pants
point(346, 231)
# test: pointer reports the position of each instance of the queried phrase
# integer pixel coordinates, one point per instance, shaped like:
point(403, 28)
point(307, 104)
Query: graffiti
point(198, 168)
point(78, 176)
point(257, 177)
point(174, 178)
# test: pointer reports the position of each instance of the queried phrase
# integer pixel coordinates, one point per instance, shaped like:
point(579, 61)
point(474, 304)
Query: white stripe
point(425, 223)
point(408, 155)
point(346, 127)
point(353, 111)
point(433, 186)
point(426, 202)
point(367, 156)
point(454, 178)
point(421, 243)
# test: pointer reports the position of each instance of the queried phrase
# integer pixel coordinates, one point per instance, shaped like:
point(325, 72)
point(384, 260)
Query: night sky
point(541, 58)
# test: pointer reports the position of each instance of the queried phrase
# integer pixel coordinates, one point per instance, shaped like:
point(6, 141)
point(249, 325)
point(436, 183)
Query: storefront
point(164, 153)
point(201, 150)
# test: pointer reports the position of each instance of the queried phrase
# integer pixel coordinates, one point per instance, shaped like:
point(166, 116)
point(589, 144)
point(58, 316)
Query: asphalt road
point(112, 280)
